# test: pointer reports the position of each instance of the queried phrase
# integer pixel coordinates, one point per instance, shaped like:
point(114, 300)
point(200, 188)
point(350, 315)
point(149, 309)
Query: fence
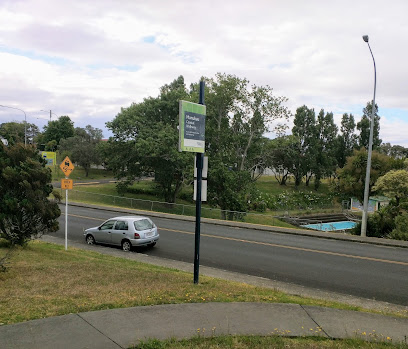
point(178, 209)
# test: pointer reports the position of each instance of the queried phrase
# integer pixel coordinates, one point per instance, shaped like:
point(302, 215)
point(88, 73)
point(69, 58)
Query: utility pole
point(370, 149)
point(199, 165)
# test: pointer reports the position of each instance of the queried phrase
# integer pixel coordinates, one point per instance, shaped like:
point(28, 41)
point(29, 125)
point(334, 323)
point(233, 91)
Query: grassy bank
point(45, 280)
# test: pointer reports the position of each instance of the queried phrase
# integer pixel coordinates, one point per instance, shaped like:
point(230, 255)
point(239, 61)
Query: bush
point(289, 201)
point(379, 224)
point(401, 228)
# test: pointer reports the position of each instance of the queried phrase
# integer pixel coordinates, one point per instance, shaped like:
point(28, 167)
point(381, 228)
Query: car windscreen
point(143, 224)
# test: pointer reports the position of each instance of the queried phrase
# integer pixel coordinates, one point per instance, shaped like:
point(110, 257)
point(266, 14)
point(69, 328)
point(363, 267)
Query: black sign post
point(199, 165)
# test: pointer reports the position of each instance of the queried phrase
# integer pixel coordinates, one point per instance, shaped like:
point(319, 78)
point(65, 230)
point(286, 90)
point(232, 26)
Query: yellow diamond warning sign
point(67, 166)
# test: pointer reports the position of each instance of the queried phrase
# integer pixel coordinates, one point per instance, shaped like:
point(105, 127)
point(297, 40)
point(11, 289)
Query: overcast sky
point(88, 58)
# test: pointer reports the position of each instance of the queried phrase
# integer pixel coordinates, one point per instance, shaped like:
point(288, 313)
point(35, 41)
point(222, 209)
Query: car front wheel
point(126, 246)
point(90, 240)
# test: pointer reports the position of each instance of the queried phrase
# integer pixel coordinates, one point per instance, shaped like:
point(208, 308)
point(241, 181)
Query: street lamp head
point(365, 38)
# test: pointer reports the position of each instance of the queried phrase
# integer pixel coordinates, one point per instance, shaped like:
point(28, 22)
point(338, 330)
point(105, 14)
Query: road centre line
point(86, 183)
point(292, 247)
point(271, 244)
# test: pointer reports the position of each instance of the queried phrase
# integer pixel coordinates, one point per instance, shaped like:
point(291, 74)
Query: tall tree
point(396, 151)
point(83, 147)
point(323, 147)
point(145, 141)
point(238, 114)
point(56, 130)
point(304, 130)
point(347, 140)
point(364, 127)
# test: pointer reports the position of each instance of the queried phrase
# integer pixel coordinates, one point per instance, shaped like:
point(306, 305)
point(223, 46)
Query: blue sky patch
point(128, 67)
point(32, 55)
point(149, 39)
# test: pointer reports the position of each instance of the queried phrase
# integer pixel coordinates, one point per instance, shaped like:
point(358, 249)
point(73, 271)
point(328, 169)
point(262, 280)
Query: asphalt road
point(357, 269)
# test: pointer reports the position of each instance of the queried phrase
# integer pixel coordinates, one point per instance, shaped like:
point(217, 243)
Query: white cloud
point(88, 59)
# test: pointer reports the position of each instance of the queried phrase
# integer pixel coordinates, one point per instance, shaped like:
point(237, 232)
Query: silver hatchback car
point(127, 231)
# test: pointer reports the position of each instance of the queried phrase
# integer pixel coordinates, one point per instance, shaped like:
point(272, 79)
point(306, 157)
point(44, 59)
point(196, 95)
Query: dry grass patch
point(45, 280)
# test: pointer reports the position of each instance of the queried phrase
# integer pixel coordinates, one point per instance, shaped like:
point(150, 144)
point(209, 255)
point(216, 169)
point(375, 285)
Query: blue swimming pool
point(331, 226)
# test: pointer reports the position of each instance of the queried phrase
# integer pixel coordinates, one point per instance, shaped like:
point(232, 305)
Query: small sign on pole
point(67, 184)
point(192, 127)
point(67, 167)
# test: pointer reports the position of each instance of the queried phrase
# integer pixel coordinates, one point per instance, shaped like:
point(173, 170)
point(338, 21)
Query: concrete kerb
point(273, 229)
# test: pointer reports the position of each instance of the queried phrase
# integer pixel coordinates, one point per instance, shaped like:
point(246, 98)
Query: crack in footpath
point(103, 334)
point(311, 318)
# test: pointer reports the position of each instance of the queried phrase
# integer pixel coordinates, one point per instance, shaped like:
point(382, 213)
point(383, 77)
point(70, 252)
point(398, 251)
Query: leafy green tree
point(401, 228)
point(394, 184)
point(25, 211)
point(56, 130)
point(282, 156)
point(83, 147)
point(323, 147)
point(13, 132)
point(145, 142)
point(352, 175)
point(238, 114)
point(347, 140)
point(364, 127)
point(228, 188)
point(395, 151)
point(305, 131)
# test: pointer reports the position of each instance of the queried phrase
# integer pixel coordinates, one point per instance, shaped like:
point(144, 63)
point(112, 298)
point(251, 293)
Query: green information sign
point(192, 127)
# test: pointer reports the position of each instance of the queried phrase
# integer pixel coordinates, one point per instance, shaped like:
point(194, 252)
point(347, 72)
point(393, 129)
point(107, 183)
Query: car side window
point(107, 225)
point(121, 225)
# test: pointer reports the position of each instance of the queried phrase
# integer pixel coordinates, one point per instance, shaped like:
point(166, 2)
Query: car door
point(105, 232)
point(119, 232)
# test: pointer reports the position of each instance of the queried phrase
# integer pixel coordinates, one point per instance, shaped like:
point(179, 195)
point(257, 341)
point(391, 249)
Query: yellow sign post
point(67, 167)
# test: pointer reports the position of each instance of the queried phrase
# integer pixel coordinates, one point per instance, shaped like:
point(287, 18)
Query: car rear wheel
point(126, 246)
point(90, 240)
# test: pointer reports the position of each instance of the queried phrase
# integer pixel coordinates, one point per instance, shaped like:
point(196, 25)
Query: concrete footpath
point(123, 328)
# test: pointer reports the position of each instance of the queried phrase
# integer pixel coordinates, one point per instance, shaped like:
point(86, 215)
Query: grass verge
point(258, 342)
point(45, 280)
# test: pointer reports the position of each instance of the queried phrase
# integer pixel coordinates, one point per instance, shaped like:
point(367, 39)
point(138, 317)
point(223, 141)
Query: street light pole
point(370, 149)
point(50, 113)
point(25, 121)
